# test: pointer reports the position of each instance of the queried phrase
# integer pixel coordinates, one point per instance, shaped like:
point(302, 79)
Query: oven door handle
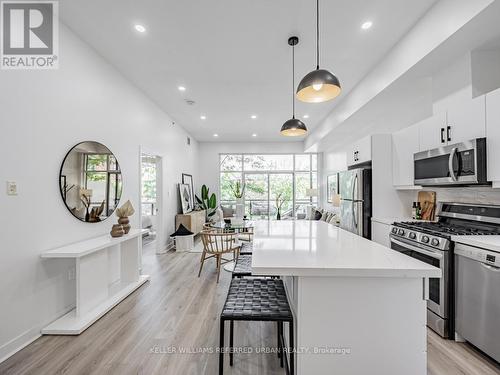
point(450, 164)
point(430, 253)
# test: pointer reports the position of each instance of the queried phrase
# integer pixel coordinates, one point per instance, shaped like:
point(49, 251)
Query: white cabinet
point(467, 121)
point(459, 123)
point(380, 233)
point(432, 132)
point(493, 136)
point(405, 143)
point(360, 151)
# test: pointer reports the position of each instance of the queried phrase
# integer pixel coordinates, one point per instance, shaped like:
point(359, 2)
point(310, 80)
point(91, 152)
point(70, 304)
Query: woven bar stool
point(246, 248)
point(243, 266)
point(257, 300)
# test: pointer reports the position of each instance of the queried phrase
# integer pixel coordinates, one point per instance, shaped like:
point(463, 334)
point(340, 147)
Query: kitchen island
point(359, 307)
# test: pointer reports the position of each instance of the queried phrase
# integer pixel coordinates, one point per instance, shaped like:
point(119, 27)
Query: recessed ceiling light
point(305, 116)
point(216, 135)
point(253, 117)
point(181, 88)
point(254, 135)
point(140, 28)
point(203, 117)
point(366, 25)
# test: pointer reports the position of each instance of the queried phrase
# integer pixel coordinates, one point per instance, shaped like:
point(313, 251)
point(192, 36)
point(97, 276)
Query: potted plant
point(238, 191)
point(207, 202)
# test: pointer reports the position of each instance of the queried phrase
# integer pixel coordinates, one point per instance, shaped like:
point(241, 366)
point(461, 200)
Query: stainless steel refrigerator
point(355, 188)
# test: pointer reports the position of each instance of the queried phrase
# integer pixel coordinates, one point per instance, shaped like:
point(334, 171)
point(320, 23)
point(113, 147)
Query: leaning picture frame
point(188, 179)
point(332, 187)
point(186, 199)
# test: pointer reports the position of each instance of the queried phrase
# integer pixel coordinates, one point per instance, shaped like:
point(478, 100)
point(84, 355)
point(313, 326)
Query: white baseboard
point(10, 348)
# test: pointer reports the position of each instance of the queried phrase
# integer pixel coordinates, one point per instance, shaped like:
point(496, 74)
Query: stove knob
point(401, 232)
point(395, 230)
point(413, 235)
point(425, 239)
point(435, 242)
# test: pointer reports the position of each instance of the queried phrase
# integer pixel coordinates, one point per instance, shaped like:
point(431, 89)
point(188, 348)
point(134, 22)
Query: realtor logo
point(29, 35)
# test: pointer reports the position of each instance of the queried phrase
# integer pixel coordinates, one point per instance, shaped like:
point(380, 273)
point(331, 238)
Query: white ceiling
point(233, 56)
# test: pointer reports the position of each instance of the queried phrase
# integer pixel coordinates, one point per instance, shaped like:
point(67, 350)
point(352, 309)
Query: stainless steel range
point(431, 242)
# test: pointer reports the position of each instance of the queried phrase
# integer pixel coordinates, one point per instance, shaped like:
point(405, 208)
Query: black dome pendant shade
point(320, 85)
point(293, 127)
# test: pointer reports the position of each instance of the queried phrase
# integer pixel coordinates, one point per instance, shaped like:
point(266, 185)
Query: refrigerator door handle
point(353, 205)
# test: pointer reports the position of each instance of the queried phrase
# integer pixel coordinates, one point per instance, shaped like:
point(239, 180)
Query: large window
point(270, 180)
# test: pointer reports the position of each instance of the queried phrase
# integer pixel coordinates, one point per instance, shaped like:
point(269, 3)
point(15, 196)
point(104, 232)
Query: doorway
point(151, 201)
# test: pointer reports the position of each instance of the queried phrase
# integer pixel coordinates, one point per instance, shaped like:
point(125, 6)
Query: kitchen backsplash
point(484, 195)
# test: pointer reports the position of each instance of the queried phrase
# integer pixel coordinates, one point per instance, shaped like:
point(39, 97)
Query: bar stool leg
point(279, 339)
point(221, 348)
point(291, 346)
point(231, 329)
point(282, 346)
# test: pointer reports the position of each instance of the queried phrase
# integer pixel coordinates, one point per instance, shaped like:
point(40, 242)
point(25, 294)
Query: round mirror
point(91, 182)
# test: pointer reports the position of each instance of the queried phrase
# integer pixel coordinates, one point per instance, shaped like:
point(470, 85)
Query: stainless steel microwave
point(459, 164)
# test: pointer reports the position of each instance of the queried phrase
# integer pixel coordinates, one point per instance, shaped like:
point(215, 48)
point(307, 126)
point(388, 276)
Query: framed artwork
point(186, 199)
point(332, 187)
point(188, 180)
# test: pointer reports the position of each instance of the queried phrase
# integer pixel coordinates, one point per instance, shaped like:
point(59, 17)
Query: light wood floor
point(174, 310)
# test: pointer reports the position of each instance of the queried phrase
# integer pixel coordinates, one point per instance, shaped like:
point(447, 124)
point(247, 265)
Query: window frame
point(108, 172)
point(293, 172)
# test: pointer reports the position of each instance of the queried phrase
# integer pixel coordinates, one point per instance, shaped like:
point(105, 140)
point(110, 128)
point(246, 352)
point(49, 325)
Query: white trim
point(24, 339)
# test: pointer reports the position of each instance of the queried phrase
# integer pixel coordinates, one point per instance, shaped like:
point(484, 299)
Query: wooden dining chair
point(215, 245)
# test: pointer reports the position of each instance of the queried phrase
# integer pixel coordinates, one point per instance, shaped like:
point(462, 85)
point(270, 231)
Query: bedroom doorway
point(151, 201)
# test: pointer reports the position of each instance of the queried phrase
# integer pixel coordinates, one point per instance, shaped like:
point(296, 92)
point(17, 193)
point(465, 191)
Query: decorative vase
point(124, 222)
point(117, 230)
point(240, 208)
point(278, 215)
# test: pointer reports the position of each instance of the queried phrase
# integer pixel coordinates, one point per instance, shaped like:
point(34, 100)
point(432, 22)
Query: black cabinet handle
point(448, 133)
point(442, 135)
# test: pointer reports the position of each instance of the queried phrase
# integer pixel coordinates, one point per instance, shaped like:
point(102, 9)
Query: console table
point(107, 271)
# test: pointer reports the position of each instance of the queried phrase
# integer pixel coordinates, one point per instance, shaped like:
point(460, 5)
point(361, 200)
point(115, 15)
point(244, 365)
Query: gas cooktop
point(454, 219)
point(448, 229)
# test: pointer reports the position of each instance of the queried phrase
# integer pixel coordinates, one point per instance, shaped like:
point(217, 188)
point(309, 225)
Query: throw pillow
point(323, 217)
point(317, 215)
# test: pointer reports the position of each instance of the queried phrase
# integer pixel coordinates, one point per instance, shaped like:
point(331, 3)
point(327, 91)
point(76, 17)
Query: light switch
point(11, 188)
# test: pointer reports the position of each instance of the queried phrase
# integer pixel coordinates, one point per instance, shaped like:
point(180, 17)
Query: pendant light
point(320, 85)
point(293, 127)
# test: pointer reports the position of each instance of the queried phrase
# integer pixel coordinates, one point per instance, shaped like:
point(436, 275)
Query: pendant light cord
point(293, 80)
point(317, 34)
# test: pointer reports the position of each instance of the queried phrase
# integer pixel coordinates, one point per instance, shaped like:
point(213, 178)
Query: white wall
point(208, 167)
point(43, 114)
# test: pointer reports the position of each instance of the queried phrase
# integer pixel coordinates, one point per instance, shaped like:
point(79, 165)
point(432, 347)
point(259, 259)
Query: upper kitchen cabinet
point(405, 143)
point(493, 136)
point(458, 124)
point(432, 132)
point(467, 121)
point(360, 151)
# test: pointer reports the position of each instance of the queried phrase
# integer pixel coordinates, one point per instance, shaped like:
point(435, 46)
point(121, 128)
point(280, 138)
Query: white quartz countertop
point(484, 242)
point(316, 248)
